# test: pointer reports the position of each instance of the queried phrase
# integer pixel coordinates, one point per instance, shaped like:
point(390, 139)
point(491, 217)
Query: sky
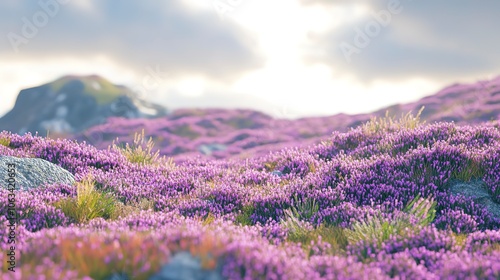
point(287, 58)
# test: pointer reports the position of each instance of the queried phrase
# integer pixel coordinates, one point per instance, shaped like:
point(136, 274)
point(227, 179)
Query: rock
point(183, 266)
point(33, 172)
point(118, 276)
point(277, 173)
point(477, 190)
point(72, 104)
point(208, 149)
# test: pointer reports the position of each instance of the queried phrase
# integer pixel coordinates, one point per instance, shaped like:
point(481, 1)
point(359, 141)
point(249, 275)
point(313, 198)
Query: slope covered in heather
point(216, 133)
point(374, 202)
point(91, 109)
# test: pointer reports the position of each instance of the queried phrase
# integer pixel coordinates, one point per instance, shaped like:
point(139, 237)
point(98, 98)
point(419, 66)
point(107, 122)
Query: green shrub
point(88, 203)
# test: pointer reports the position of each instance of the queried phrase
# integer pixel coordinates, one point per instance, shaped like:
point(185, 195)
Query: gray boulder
point(208, 149)
point(478, 191)
point(118, 276)
point(277, 173)
point(183, 266)
point(33, 172)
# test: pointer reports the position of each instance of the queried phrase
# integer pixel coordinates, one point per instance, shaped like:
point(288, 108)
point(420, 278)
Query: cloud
point(136, 34)
point(449, 40)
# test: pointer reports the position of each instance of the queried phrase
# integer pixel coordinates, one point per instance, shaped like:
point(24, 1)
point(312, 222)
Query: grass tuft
point(374, 229)
point(141, 151)
point(304, 210)
point(379, 229)
point(460, 239)
point(423, 209)
point(297, 229)
point(307, 235)
point(472, 170)
point(88, 203)
point(4, 141)
point(332, 235)
point(123, 210)
point(244, 217)
point(388, 123)
point(208, 220)
point(296, 221)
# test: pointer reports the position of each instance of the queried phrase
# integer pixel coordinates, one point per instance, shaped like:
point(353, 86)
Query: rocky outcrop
point(208, 149)
point(33, 172)
point(478, 192)
point(184, 266)
point(72, 104)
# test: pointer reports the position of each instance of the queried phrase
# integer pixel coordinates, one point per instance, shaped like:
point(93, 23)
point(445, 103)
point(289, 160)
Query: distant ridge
point(220, 133)
point(460, 103)
point(94, 110)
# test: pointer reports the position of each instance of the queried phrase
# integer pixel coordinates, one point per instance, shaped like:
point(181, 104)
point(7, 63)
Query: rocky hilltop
point(72, 104)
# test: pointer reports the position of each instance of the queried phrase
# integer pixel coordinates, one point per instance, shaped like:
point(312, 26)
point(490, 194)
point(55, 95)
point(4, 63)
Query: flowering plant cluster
point(362, 204)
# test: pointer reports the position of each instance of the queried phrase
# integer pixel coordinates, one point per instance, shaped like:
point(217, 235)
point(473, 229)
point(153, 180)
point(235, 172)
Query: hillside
point(460, 103)
point(73, 104)
point(245, 133)
point(91, 109)
point(387, 199)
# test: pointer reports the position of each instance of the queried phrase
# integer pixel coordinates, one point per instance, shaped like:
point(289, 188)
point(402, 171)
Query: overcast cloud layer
point(312, 57)
point(135, 33)
point(434, 39)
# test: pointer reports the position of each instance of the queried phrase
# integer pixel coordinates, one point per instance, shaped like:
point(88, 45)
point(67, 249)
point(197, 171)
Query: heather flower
point(32, 212)
point(351, 207)
point(483, 241)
